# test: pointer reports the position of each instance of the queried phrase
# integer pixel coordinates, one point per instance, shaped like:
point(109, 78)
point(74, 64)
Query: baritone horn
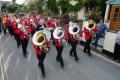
point(74, 30)
point(58, 34)
point(39, 39)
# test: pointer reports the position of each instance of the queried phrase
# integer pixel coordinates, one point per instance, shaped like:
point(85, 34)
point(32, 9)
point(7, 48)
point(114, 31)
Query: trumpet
point(74, 30)
point(39, 39)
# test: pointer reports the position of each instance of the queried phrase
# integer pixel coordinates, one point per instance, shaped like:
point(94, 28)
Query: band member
point(59, 40)
point(9, 26)
point(59, 48)
point(24, 37)
point(17, 34)
point(0, 25)
point(33, 26)
point(41, 25)
point(4, 20)
point(41, 50)
point(75, 37)
point(90, 30)
point(117, 47)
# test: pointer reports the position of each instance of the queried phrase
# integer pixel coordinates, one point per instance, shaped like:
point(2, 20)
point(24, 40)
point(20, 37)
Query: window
point(117, 9)
point(116, 17)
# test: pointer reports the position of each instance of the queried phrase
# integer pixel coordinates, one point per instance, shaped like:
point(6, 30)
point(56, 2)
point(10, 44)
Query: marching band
point(44, 32)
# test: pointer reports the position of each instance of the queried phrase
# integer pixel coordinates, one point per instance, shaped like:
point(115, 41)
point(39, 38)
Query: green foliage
point(102, 7)
point(94, 5)
point(67, 7)
point(52, 5)
point(12, 8)
point(64, 5)
point(36, 6)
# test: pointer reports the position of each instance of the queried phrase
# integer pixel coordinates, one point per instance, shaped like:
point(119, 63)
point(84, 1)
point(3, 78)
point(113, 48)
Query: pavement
point(17, 67)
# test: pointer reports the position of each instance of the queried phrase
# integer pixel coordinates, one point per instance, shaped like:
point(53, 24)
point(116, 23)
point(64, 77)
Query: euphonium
point(74, 30)
point(58, 33)
point(39, 39)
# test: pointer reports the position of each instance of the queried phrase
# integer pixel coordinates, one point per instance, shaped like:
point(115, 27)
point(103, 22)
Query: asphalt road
point(88, 68)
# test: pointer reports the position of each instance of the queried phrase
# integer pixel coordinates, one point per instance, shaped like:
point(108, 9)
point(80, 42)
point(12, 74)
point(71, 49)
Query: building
point(112, 14)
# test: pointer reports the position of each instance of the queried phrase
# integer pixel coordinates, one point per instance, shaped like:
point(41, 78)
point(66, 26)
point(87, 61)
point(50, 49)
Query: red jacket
point(23, 36)
point(30, 28)
point(17, 31)
point(48, 23)
point(38, 50)
point(87, 34)
point(58, 44)
point(54, 24)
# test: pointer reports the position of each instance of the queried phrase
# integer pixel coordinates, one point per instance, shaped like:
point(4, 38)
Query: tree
point(95, 6)
point(67, 7)
point(52, 5)
point(12, 8)
point(36, 5)
point(102, 7)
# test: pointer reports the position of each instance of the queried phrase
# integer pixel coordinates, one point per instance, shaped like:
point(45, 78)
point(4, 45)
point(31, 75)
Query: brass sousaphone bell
point(58, 34)
point(39, 39)
point(90, 26)
point(74, 30)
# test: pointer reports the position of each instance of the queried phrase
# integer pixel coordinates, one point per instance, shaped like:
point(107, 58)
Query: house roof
point(117, 2)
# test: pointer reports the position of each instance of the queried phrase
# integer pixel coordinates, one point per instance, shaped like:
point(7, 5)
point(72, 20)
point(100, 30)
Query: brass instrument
point(90, 27)
point(39, 39)
point(59, 34)
point(74, 30)
point(24, 29)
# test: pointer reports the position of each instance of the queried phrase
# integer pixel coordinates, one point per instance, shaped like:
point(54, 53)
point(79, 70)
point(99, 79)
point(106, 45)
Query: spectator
point(117, 48)
point(102, 29)
point(0, 25)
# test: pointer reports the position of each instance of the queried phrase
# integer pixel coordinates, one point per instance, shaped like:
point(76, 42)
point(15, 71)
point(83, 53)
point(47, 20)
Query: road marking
point(18, 61)
point(29, 55)
point(4, 74)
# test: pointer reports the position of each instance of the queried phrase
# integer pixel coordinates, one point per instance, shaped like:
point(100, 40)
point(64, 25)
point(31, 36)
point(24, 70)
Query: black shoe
point(77, 59)
point(38, 65)
point(89, 54)
point(57, 59)
point(25, 55)
point(43, 75)
point(84, 51)
point(62, 65)
point(71, 54)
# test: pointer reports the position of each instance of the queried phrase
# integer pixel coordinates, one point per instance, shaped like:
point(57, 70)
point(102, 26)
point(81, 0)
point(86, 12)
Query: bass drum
point(47, 32)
